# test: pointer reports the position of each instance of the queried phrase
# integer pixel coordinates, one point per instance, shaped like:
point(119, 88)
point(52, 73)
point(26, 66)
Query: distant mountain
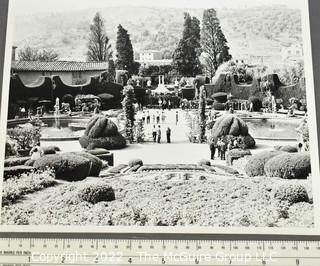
point(154, 28)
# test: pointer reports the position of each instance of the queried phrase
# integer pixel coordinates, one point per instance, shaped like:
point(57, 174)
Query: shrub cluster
point(96, 163)
point(204, 162)
point(134, 162)
point(15, 188)
point(14, 161)
point(255, 164)
point(256, 103)
point(66, 166)
point(291, 193)
point(289, 166)
point(95, 193)
point(288, 148)
point(16, 171)
point(101, 132)
point(218, 106)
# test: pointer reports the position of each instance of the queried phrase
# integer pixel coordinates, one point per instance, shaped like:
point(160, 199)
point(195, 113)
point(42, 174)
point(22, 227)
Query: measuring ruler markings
point(37, 251)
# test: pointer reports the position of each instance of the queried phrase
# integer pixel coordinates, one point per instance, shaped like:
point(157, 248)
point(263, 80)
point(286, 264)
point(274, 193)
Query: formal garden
point(218, 143)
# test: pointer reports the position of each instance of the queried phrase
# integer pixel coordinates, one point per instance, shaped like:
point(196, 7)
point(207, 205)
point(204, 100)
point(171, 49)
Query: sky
point(21, 7)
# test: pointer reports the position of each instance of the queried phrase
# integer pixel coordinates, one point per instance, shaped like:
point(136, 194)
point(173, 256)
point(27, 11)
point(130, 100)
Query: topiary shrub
point(66, 166)
point(15, 171)
point(98, 151)
point(95, 193)
point(289, 166)
point(288, 148)
point(220, 97)
point(255, 164)
point(291, 193)
point(10, 148)
point(204, 162)
point(134, 162)
point(239, 153)
point(96, 163)
point(68, 98)
point(256, 103)
point(29, 162)
point(218, 106)
point(230, 126)
point(48, 150)
point(101, 132)
point(15, 161)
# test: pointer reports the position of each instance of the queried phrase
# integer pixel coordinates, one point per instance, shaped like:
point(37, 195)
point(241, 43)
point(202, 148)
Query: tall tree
point(186, 55)
point(32, 54)
point(125, 58)
point(99, 48)
point(213, 42)
point(202, 114)
point(128, 110)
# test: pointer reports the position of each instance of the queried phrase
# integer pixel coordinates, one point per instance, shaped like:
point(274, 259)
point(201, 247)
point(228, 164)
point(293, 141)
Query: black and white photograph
point(194, 114)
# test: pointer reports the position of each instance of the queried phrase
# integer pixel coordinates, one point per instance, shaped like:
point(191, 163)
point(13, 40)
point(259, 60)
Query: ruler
point(62, 251)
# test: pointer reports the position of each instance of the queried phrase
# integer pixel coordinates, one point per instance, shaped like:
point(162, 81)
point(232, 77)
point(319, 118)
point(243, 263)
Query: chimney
point(13, 56)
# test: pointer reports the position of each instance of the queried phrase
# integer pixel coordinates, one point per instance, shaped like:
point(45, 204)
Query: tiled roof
point(59, 66)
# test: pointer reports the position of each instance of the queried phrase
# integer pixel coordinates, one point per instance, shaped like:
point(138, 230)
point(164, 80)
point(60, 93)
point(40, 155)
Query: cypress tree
point(186, 55)
point(129, 112)
point(202, 114)
point(125, 59)
point(213, 42)
point(99, 48)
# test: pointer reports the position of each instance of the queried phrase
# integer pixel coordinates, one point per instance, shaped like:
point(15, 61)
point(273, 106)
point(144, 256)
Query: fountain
point(161, 89)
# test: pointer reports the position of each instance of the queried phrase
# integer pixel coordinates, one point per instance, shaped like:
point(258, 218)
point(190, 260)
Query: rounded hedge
point(256, 102)
point(95, 193)
point(288, 148)
point(101, 132)
point(96, 163)
point(289, 166)
point(48, 150)
point(134, 162)
point(218, 106)
point(98, 151)
point(220, 97)
point(204, 162)
point(239, 153)
point(110, 143)
point(230, 126)
point(68, 98)
point(255, 164)
point(66, 166)
point(291, 193)
point(29, 163)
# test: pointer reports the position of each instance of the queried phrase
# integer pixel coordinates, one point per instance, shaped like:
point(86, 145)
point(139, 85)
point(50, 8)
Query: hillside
point(154, 28)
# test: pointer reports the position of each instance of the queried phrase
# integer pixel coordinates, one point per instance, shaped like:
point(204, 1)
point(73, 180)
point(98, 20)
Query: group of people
point(156, 134)
point(223, 146)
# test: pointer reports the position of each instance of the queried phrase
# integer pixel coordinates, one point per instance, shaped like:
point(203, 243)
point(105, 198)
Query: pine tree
point(125, 59)
point(186, 55)
point(129, 112)
point(202, 114)
point(213, 42)
point(99, 48)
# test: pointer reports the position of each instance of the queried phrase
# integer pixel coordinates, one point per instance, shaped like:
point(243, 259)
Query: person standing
point(148, 117)
point(159, 134)
point(218, 145)
point(223, 150)
point(212, 150)
point(154, 133)
point(168, 135)
point(177, 117)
